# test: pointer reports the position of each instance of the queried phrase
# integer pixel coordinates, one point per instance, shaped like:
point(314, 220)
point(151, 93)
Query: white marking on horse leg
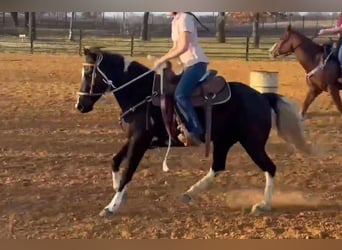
point(265, 205)
point(115, 203)
point(268, 189)
point(116, 180)
point(202, 184)
point(165, 166)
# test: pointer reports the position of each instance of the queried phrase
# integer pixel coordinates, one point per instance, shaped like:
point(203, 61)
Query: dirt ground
point(55, 174)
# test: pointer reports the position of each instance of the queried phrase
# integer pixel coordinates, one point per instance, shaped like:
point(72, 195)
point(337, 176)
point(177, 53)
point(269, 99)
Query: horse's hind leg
point(220, 150)
point(335, 95)
point(116, 162)
point(258, 154)
point(311, 95)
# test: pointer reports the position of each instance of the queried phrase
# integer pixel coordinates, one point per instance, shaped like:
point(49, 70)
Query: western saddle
point(213, 90)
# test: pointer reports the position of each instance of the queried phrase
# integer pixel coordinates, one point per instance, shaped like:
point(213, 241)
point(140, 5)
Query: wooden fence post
point(247, 48)
point(80, 43)
point(303, 22)
point(132, 44)
point(31, 44)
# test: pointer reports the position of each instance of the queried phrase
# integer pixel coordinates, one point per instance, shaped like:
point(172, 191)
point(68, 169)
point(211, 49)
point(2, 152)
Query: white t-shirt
point(185, 22)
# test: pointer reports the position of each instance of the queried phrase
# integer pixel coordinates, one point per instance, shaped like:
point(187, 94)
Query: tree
point(144, 31)
point(27, 18)
point(71, 27)
point(15, 18)
point(256, 30)
point(221, 31)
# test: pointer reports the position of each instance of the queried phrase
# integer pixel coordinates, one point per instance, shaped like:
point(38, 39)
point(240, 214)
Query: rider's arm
point(186, 26)
point(179, 48)
point(332, 31)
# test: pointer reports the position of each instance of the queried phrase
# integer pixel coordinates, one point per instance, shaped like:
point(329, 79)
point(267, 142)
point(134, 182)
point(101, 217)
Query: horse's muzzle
point(83, 109)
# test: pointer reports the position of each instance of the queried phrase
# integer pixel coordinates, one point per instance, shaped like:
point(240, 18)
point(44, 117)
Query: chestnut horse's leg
point(311, 95)
point(333, 90)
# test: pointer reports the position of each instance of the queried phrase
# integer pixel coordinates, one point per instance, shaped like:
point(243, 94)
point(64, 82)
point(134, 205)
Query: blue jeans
point(187, 84)
point(340, 55)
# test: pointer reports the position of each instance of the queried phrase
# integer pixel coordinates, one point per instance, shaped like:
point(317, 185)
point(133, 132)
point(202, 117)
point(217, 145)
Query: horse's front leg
point(137, 146)
point(311, 95)
point(116, 162)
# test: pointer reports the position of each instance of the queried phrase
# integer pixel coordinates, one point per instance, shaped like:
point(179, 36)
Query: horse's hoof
point(186, 198)
point(106, 213)
point(260, 208)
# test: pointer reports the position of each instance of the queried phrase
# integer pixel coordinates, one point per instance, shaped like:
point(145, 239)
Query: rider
point(336, 30)
point(195, 62)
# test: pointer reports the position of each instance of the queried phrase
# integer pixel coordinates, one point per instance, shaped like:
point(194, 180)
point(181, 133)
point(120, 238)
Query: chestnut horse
point(319, 62)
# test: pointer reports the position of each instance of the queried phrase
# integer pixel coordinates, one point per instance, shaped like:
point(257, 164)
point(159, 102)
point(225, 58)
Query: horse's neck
point(137, 90)
point(308, 55)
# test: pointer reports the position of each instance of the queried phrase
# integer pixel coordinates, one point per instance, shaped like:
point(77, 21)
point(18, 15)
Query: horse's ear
point(92, 50)
point(86, 51)
point(289, 28)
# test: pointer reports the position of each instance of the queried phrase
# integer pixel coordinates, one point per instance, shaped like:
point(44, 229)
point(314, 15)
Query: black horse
point(246, 118)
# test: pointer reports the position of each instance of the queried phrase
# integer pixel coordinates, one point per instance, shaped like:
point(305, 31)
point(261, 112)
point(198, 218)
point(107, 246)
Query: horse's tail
point(288, 122)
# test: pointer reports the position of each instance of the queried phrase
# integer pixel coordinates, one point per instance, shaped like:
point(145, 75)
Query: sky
point(197, 13)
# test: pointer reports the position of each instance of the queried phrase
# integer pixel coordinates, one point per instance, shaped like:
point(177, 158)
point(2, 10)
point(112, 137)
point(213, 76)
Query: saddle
point(213, 90)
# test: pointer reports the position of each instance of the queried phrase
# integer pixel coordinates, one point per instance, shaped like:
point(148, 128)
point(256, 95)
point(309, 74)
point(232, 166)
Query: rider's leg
point(187, 84)
point(340, 60)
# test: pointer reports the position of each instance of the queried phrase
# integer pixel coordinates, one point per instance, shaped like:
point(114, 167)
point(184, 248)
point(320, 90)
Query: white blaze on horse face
point(82, 73)
point(116, 180)
point(272, 49)
point(77, 102)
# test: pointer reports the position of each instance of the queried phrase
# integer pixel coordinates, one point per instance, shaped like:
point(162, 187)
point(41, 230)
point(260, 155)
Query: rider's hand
point(158, 63)
point(321, 32)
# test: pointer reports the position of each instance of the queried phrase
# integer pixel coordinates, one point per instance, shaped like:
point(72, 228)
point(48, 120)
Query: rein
point(112, 88)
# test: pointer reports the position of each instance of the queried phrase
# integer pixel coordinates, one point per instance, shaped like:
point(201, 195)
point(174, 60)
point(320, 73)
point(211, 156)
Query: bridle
point(111, 87)
point(293, 50)
point(280, 44)
point(105, 79)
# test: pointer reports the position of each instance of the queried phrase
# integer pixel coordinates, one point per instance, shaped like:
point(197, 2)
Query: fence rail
point(234, 48)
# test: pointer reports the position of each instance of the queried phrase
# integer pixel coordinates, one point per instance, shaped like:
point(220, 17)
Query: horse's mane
point(116, 57)
point(306, 39)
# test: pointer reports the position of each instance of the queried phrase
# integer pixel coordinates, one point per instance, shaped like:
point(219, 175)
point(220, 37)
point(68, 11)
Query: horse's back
point(248, 97)
point(252, 105)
